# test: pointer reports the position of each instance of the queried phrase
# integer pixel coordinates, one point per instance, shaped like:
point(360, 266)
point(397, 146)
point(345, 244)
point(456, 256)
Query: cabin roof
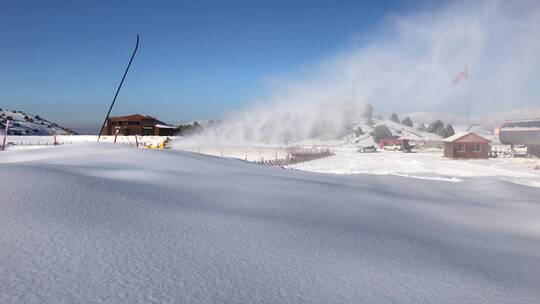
point(133, 116)
point(459, 136)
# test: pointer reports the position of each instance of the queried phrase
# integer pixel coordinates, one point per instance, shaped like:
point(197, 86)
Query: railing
point(51, 140)
point(296, 156)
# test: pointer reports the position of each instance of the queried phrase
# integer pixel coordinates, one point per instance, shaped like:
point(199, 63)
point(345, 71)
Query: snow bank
point(103, 223)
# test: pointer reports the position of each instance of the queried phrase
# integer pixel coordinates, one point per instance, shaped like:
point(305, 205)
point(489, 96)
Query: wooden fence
point(296, 156)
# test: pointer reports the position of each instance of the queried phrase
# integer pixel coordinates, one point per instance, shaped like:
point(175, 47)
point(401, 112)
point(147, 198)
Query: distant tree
point(358, 131)
point(37, 117)
point(434, 126)
point(394, 117)
point(450, 130)
point(26, 117)
point(421, 127)
point(380, 132)
point(407, 121)
point(441, 131)
point(9, 118)
point(189, 129)
point(369, 111)
point(370, 122)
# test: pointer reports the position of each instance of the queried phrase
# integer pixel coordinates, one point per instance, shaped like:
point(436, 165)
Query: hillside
point(359, 133)
point(29, 124)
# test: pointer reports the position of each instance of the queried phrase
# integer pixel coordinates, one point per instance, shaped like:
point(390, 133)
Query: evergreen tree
point(450, 130)
point(407, 121)
point(358, 131)
point(434, 126)
point(370, 122)
point(369, 111)
point(441, 131)
point(381, 132)
point(394, 117)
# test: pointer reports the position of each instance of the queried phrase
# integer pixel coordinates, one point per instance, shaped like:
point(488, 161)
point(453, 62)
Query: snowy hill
point(397, 129)
point(28, 124)
point(104, 223)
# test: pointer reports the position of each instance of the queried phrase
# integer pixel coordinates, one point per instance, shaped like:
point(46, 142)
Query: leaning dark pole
point(119, 87)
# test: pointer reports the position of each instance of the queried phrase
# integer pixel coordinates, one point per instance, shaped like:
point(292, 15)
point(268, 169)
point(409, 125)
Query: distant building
point(137, 124)
point(466, 145)
point(522, 132)
point(394, 141)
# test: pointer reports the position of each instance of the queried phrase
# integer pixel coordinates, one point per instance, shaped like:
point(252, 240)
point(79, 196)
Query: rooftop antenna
point(119, 87)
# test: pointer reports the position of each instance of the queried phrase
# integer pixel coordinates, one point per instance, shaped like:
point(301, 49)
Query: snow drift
point(106, 223)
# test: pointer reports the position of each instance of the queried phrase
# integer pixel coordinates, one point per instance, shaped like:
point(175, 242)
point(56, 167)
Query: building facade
point(467, 146)
point(522, 132)
point(137, 124)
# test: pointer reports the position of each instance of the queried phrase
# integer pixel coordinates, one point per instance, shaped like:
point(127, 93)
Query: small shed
point(466, 145)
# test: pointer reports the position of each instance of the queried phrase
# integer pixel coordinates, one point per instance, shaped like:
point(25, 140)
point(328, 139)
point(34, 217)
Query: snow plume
point(406, 65)
point(283, 123)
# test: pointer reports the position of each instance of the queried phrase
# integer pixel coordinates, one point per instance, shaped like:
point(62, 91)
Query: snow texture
point(426, 164)
point(104, 223)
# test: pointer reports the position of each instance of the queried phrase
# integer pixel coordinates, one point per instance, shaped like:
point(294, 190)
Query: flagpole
point(468, 97)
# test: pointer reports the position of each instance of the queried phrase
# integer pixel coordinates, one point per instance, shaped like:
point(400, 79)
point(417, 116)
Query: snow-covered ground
point(429, 164)
point(104, 223)
point(15, 140)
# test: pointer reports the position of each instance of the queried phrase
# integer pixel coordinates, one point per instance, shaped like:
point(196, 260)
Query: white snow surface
point(104, 223)
point(426, 164)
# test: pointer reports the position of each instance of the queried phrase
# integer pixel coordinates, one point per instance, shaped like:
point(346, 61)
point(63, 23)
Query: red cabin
point(466, 146)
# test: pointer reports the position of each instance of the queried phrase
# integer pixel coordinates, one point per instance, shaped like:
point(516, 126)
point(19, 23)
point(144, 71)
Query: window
point(476, 148)
point(461, 148)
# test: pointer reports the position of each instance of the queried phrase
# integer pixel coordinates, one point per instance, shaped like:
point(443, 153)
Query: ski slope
point(104, 223)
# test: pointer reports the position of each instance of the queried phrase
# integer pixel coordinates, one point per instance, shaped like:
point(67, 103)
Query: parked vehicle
point(408, 148)
point(367, 149)
point(392, 147)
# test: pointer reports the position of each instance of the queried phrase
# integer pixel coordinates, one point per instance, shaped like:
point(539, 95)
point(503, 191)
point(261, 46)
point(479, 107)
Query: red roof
point(132, 116)
point(465, 137)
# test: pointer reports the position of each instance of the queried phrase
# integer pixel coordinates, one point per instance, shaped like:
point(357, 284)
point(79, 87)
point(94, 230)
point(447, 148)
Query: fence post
point(5, 136)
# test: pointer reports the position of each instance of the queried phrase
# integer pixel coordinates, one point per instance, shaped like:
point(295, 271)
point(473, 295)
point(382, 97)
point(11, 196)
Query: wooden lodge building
point(466, 145)
point(137, 124)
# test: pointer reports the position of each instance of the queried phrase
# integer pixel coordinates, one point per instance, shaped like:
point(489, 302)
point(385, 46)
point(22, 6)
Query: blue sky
point(197, 60)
